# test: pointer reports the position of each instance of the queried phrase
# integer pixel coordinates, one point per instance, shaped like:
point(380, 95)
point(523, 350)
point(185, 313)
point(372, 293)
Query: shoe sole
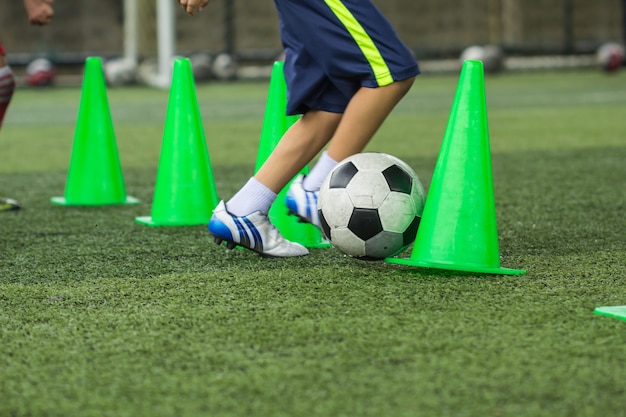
point(230, 245)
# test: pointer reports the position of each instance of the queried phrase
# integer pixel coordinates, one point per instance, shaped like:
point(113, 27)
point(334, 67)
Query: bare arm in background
point(193, 6)
point(40, 12)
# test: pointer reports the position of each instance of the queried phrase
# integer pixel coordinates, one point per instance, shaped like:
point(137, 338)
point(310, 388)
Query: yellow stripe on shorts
point(363, 40)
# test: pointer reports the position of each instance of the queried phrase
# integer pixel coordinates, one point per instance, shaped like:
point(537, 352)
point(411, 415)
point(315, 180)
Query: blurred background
point(232, 39)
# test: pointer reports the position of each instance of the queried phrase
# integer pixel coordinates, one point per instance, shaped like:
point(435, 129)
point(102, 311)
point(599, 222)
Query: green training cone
point(616, 312)
point(185, 192)
point(458, 227)
point(95, 175)
point(275, 124)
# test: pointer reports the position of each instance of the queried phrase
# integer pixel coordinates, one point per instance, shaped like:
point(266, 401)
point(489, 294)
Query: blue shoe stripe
point(305, 206)
point(244, 239)
point(310, 201)
point(258, 245)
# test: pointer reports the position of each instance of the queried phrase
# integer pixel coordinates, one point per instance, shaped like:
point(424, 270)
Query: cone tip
point(472, 63)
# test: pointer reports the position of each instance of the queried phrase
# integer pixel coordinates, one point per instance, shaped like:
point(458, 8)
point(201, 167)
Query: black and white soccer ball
point(225, 67)
point(491, 56)
point(39, 73)
point(119, 72)
point(370, 205)
point(473, 53)
point(610, 56)
point(201, 66)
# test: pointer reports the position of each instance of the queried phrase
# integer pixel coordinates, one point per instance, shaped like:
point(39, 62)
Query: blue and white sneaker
point(254, 232)
point(303, 203)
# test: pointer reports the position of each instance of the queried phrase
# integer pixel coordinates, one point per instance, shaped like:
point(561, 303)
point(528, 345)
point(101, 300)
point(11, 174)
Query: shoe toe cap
point(287, 250)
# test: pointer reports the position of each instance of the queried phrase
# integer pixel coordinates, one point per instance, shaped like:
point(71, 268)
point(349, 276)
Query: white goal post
point(165, 28)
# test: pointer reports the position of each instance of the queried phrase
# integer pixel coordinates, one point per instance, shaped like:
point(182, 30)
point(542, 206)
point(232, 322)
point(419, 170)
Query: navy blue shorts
point(335, 47)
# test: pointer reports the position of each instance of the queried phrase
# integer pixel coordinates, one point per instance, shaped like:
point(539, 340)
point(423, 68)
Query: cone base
point(616, 312)
point(62, 201)
point(316, 245)
point(456, 267)
point(149, 221)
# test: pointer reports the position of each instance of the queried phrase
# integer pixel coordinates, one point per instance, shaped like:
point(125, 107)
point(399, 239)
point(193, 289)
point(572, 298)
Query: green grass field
point(101, 316)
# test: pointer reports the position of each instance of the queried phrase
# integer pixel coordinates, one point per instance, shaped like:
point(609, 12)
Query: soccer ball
point(473, 52)
point(493, 59)
point(119, 71)
point(201, 66)
point(370, 205)
point(610, 56)
point(39, 73)
point(225, 67)
point(491, 56)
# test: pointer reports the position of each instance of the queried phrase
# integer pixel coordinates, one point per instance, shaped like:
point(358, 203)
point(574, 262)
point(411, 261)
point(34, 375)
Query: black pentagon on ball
point(365, 223)
point(411, 232)
point(398, 179)
point(324, 224)
point(340, 178)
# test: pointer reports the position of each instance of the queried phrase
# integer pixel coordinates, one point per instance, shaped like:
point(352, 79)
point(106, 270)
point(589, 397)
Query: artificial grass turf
point(101, 316)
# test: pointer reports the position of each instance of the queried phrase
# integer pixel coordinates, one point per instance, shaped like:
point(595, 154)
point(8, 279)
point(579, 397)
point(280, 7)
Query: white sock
point(253, 196)
point(313, 181)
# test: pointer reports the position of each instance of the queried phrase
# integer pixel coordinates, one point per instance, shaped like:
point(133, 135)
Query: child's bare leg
point(349, 133)
point(297, 147)
point(364, 115)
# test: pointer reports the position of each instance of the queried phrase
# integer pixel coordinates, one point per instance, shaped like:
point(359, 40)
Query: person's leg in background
point(7, 87)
